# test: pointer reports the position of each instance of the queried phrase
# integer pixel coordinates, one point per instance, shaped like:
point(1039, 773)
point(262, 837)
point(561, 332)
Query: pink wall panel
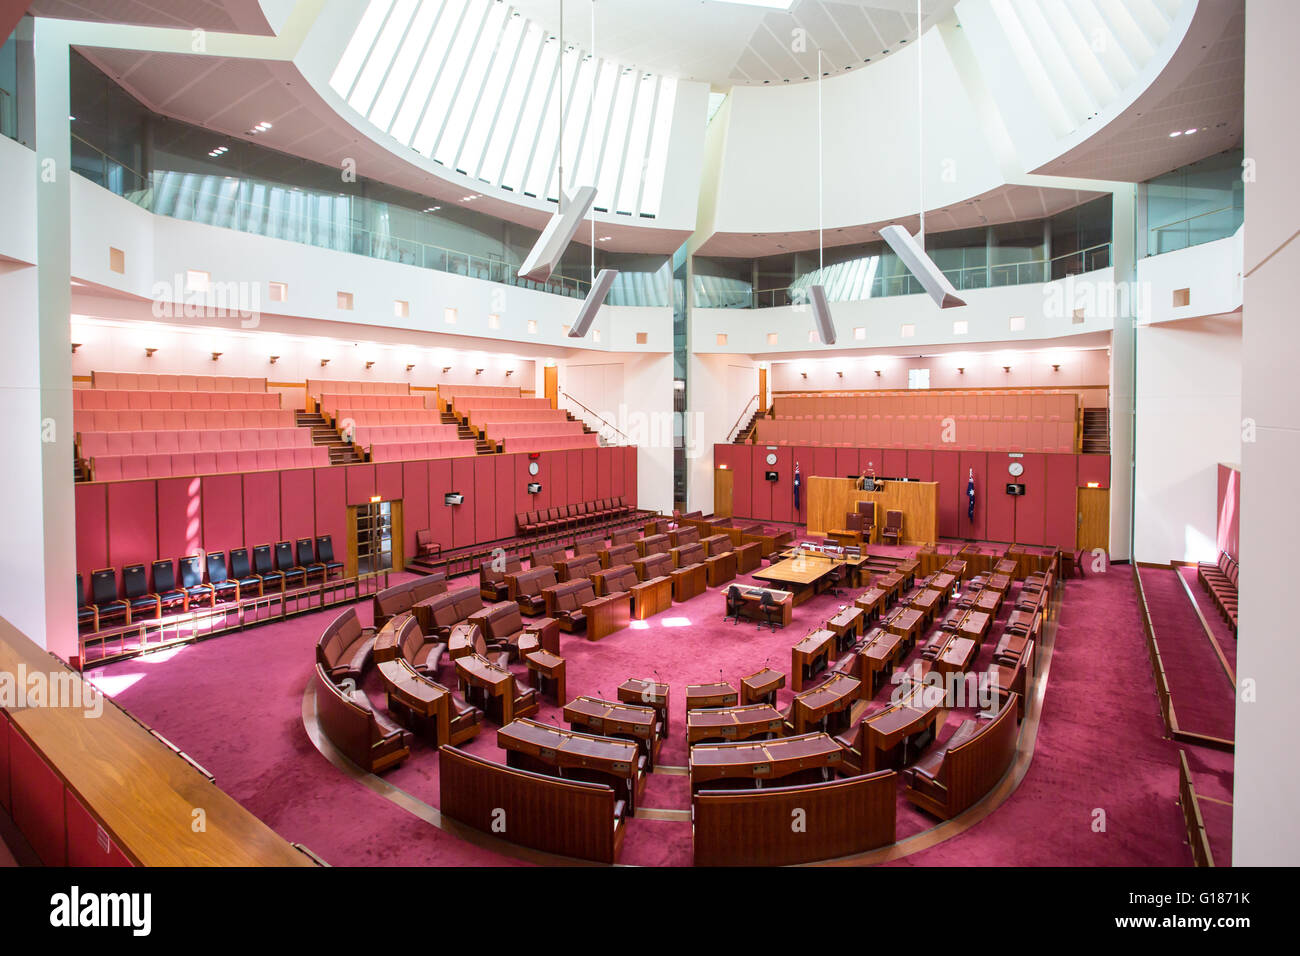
point(223, 512)
point(1060, 516)
point(573, 472)
point(742, 488)
point(605, 475)
point(388, 480)
point(84, 848)
point(559, 478)
point(523, 500)
point(360, 483)
point(37, 795)
point(462, 518)
point(618, 472)
point(846, 462)
point(760, 489)
point(1000, 507)
point(1228, 530)
point(782, 493)
point(505, 496)
point(415, 504)
point(262, 508)
point(440, 516)
point(92, 529)
point(978, 461)
point(944, 471)
point(180, 517)
point(869, 459)
point(920, 464)
point(631, 464)
point(298, 504)
point(589, 456)
point(895, 463)
point(484, 498)
point(331, 508)
point(820, 462)
point(1031, 508)
point(132, 524)
point(1094, 468)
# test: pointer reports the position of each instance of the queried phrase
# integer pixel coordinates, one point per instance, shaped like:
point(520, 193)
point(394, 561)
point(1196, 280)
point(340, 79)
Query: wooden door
point(551, 384)
point(1094, 519)
point(723, 483)
point(762, 390)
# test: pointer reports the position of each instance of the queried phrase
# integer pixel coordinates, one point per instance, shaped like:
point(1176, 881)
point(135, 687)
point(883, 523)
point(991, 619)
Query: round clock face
point(771, 458)
point(534, 468)
point(1016, 469)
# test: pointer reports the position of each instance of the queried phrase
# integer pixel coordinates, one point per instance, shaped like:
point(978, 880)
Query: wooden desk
point(906, 622)
point(547, 630)
point(751, 603)
point(748, 557)
point(846, 626)
point(1007, 566)
point(975, 625)
point(761, 687)
point(817, 755)
point(957, 656)
point(810, 657)
point(825, 707)
point(716, 544)
point(648, 693)
point(888, 729)
point(989, 601)
point(733, 723)
point(943, 581)
point(461, 642)
point(417, 696)
point(720, 568)
point(999, 582)
point(879, 656)
point(653, 544)
point(891, 584)
point(688, 582)
point(490, 688)
point(651, 597)
point(530, 745)
point(607, 615)
point(871, 603)
point(617, 719)
point(957, 568)
point(799, 576)
point(547, 672)
point(699, 696)
point(927, 602)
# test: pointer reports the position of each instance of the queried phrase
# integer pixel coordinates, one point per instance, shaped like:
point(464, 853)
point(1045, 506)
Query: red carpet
point(1218, 626)
point(1200, 690)
point(234, 703)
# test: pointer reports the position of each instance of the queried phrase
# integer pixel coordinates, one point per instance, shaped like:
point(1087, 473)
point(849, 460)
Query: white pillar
point(1266, 792)
point(1124, 262)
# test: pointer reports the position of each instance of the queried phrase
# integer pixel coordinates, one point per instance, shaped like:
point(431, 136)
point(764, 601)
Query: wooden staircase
point(465, 433)
point(1096, 431)
point(746, 434)
point(341, 452)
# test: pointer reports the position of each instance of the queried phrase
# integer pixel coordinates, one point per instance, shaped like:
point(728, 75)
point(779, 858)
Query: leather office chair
point(241, 572)
point(307, 560)
point(836, 579)
point(164, 585)
point(734, 603)
point(135, 585)
point(325, 555)
point(769, 609)
point(892, 532)
point(86, 613)
point(103, 595)
point(264, 568)
point(293, 574)
point(192, 580)
point(223, 588)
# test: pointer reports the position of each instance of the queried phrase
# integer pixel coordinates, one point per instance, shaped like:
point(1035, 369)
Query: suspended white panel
point(408, 56)
point(381, 56)
point(657, 165)
point(363, 38)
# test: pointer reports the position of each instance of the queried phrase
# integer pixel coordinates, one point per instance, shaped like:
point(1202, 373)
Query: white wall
point(720, 389)
point(1188, 400)
point(1266, 790)
point(1210, 272)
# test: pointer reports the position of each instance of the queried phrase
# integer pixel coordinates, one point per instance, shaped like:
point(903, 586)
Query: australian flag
point(970, 496)
point(797, 482)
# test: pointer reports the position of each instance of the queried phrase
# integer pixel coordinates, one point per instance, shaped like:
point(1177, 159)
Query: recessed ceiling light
point(1176, 132)
point(433, 209)
point(605, 238)
point(1188, 132)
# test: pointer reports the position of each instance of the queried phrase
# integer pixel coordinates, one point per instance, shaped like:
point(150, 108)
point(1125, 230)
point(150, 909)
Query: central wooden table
point(799, 575)
point(810, 657)
point(817, 755)
point(733, 723)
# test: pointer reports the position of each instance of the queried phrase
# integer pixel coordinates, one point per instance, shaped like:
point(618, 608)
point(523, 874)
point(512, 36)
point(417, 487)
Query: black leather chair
point(223, 588)
point(307, 560)
point(164, 585)
point(769, 609)
point(192, 581)
point(87, 616)
point(325, 555)
point(135, 585)
point(734, 603)
point(264, 568)
point(242, 574)
point(294, 574)
point(103, 595)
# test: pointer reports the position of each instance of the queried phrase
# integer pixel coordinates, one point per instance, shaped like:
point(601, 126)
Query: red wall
point(1045, 515)
point(133, 522)
point(1229, 523)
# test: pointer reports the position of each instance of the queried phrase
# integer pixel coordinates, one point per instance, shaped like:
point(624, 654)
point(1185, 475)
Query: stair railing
point(733, 432)
point(600, 418)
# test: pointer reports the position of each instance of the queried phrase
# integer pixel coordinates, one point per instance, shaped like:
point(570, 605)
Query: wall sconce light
point(274, 359)
point(446, 369)
point(75, 346)
point(409, 367)
point(877, 373)
point(803, 374)
point(1056, 367)
point(509, 372)
point(1006, 368)
point(215, 356)
point(324, 362)
point(478, 371)
point(148, 352)
point(961, 369)
point(369, 366)
point(840, 374)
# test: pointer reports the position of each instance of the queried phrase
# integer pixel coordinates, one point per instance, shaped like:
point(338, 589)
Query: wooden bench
point(369, 739)
point(959, 773)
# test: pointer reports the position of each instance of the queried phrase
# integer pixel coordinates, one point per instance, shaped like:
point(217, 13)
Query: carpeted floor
point(1218, 626)
point(1202, 695)
point(235, 704)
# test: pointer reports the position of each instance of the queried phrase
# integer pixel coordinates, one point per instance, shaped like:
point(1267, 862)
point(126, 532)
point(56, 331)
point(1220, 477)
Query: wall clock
point(771, 458)
point(534, 468)
point(1015, 469)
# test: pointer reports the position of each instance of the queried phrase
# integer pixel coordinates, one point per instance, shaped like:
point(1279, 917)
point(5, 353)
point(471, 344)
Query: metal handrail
point(1199, 215)
point(731, 432)
point(596, 415)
